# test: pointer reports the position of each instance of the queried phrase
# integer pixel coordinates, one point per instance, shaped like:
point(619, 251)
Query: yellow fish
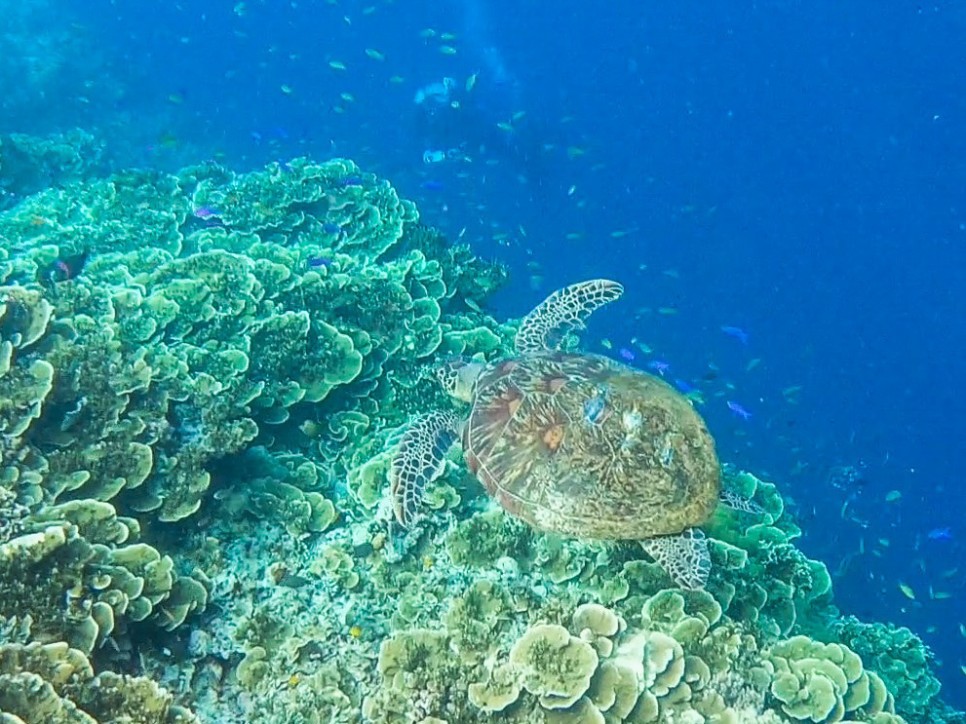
point(892, 496)
point(375, 54)
point(447, 50)
point(907, 591)
point(337, 65)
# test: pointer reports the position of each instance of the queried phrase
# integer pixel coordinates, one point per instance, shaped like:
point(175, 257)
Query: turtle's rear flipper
point(737, 501)
point(419, 460)
point(683, 556)
point(563, 310)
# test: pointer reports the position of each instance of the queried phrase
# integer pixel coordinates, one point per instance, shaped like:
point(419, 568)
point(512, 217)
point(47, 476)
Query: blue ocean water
point(779, 185)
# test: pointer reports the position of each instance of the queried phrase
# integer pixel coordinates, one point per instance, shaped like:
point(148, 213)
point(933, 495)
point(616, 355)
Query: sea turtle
point(574, 443)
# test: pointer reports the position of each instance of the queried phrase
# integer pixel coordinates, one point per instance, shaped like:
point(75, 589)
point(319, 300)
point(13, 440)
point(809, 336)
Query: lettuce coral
point(53, 682)
point(899, 657)
point(554, 665)
point(130, 383)
point(825, 682)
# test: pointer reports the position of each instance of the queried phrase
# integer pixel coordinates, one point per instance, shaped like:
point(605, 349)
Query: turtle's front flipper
point(684, 556)
point(419, 460)
point(737, 501)
point(563, 310)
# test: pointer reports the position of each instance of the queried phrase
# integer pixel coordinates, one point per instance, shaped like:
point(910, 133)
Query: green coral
point(898, 656)
point(79, 576)
point(282, 490)
point(482, 539)
point(758, 574)
point(300, 201)
point(29, 164)
point(136, 389)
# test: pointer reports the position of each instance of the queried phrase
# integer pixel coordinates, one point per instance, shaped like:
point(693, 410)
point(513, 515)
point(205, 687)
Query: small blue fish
point(431, 185)
point(683, 387)
point(206, 212)
point(626, 354)
point(351, 181)
point(940, 534)
point(330, 228)
point(736, 332)
point(738, 410)
point(314, 262)
point(659, 366)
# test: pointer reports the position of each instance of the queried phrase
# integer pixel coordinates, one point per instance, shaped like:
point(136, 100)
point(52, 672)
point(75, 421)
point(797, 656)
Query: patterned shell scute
point(582, 445)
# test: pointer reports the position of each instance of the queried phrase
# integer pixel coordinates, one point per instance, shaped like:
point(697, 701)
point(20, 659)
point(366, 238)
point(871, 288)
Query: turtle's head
point(458, 377)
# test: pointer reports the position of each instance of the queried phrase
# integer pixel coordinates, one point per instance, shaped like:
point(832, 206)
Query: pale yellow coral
point(597, 625)
point(55, 683)
point(554, 665)
point(501, 689)
point(822, 682)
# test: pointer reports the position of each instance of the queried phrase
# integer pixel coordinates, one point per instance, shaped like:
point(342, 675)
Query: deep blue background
point(796, 169)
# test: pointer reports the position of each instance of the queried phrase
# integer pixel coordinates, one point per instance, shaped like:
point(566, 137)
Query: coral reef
point(132, 382)
point(29, 164)
point(202, 376)
point(55, 683)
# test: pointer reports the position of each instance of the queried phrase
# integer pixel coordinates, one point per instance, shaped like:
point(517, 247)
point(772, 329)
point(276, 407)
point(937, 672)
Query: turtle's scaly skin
point(581, 445)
